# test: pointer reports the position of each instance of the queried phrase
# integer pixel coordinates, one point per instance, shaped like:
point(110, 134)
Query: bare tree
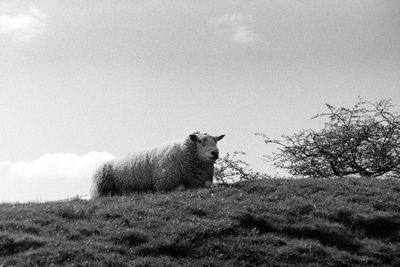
point(363, 139)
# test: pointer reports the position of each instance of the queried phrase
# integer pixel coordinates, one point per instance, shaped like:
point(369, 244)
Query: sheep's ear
point(193, 137)
point(219, 137)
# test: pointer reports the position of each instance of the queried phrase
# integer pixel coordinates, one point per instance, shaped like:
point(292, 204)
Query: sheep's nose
point(215, 154)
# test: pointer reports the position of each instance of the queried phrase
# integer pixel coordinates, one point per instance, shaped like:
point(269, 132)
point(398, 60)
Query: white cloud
point(65, 165)
point(243, 35)
point(241, 28)
point(23, 27)
point(5, 164)
point(230, 19)
point(49, 177)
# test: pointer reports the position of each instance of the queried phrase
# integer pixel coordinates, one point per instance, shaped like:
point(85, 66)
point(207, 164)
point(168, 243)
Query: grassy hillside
point(271, 222)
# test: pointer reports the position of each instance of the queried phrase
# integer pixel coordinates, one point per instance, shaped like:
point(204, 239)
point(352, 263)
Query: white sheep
point(172, 166)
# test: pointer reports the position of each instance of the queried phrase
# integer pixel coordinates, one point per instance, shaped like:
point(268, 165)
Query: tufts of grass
point(130, 238)
point(326, 234)
point(198, 211)
point(377, 225)
point(73, 210)
point(28, 227)
point(11, 244)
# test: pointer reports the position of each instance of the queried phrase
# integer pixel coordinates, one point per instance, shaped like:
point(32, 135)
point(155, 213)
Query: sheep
point(173, 166)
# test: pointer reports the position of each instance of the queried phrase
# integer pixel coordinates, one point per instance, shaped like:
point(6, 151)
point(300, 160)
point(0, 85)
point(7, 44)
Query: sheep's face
point(206, 144)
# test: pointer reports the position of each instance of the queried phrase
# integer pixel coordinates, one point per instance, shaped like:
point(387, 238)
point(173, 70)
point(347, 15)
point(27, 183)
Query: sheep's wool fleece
point(162, 168)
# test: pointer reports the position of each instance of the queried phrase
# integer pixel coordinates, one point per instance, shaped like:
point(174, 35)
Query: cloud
point(23, 27)
point(49, 177)
point(240, 26)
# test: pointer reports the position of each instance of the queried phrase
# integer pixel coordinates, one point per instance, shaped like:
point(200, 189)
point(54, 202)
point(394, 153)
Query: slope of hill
point(275, 222)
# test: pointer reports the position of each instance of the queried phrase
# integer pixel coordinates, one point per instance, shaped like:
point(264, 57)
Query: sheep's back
point(137, 171)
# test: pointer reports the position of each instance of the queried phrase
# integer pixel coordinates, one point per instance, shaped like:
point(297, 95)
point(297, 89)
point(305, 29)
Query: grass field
point(275, 222)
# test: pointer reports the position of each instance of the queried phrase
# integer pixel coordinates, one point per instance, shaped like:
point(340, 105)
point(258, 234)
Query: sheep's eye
point(198, 141)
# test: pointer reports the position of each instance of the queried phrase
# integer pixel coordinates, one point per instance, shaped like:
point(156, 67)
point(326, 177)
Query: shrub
point(363, 139)
point(232, 169)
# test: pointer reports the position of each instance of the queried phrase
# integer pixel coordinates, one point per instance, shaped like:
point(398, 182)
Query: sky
point(83, 82)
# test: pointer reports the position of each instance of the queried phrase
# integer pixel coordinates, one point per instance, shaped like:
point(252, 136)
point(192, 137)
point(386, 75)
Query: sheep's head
point(206, 145)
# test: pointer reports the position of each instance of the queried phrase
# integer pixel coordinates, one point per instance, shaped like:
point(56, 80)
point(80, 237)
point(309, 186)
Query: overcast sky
point(86, 81)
